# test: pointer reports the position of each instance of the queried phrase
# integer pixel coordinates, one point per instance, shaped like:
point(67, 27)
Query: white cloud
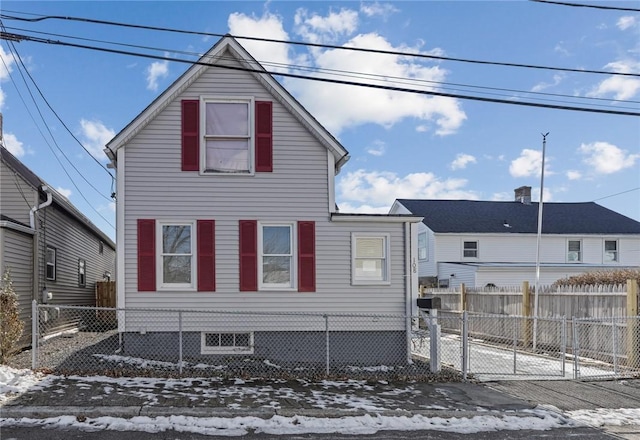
point(378, 148)
point(619, 87)
point(95, 136)
point(606, 158)
point(319, 29)
point(6, 67)
point(12, 144)
point(574, 175)
point(156, 71)
point(548, 194)
point(376, 8)
point(380, 188)
point(557, 79)
point(626, 22)
point(267, 26)
point(502, 197)
point(462, 160)
point(363, 209)
point(64, 191)
point(528, 164)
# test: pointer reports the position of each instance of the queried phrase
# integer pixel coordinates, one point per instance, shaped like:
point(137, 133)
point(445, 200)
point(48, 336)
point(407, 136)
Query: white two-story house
point(483, 243)
point(225, 202)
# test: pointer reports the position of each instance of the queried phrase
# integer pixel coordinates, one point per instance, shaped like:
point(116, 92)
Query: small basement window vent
point(227, 343)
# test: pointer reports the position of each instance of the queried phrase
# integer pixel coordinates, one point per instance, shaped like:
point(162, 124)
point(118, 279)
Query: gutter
point(36, 241)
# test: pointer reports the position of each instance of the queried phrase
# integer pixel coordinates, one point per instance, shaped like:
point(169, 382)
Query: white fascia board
point(375, 218)
point(16, 227)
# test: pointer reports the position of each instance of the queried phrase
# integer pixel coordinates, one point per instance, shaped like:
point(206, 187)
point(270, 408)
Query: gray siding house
point(487, 243)
point(54, 253)
point(226, 202)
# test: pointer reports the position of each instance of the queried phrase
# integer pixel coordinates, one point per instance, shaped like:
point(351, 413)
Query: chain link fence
point(458, 345)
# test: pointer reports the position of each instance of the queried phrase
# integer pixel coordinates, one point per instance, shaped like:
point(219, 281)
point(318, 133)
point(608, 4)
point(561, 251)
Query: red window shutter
point(248, 255)
point(190, 135)
point(146, 255)
point(206, 256)
point(264, 136)
point(306, 256)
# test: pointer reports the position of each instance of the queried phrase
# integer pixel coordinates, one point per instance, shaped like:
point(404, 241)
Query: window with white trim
point(82, 275)
point(370, 258)
point(176, 261)
point(228, 135)
point(51, 263)
point(611, 251)
point(574, 251)
point(470, 249)
point(422, 246)
point(276, 250)
point(226, 343)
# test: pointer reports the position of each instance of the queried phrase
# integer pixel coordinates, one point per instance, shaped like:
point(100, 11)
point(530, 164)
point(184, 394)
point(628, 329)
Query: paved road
point(67, 434)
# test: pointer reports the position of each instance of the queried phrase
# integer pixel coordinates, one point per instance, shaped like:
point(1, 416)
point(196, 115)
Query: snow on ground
point(13, 382)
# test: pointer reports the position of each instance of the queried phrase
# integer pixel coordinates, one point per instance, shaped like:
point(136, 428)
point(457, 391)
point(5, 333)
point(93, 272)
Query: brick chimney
point(523, 195)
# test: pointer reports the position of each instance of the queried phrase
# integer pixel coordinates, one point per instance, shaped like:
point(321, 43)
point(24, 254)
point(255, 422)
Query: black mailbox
point(432, 302)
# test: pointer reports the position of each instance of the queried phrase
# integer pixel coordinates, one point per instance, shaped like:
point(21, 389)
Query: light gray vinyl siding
point(16, 195)
point(297, 189)
point(16, 250)
point(72, 241)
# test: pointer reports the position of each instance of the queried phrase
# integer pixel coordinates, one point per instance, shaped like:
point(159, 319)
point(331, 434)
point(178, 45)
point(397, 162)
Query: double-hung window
point(422, 246)
point(611, 251)
point(228, 135)
point(276, 252)
point(574, 251)
point(51, 263)
point(470, 249)
point(370, 258)
point(176, 258)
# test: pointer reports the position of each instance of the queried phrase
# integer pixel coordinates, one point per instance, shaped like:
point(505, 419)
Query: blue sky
point(402, 145)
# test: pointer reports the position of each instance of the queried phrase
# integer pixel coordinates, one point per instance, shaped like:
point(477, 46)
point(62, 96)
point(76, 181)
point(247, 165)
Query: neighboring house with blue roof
point(482, 243)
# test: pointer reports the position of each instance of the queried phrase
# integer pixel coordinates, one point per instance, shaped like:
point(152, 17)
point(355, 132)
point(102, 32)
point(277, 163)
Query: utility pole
point(539, 238)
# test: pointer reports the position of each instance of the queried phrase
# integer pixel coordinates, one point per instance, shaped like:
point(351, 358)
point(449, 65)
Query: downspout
point(407, 287)
point(36, 241)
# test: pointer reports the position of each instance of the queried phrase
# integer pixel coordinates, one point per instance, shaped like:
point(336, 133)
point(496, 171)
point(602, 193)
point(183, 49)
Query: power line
point(617, 194)
point(302, 43)
point(582, 5)
point(17, 58)
point(9, 36)
point(344, 73)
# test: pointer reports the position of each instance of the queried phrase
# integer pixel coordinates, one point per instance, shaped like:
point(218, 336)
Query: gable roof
point(36, 182)
point(472, 216)
point(208, 61)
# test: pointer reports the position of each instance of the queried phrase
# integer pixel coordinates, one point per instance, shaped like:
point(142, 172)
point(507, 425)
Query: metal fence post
point(180, 341)
point(434, 341)
point(465, 344)
point(563, 342)
point(35, 320)
point(326, 327)
point(614, 334)
point(576, 363)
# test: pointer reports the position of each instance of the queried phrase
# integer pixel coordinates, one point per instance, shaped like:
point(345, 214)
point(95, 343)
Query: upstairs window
point(611, 251)
point(422, 246)
point(51, 263)
point(470, 249)
point(370, 259)
point(227, 136)
point(574, 251)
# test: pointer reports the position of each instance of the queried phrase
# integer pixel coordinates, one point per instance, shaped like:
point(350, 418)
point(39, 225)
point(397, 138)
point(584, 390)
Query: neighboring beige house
point(482, 243)
point(40, 228)
point(226, 202)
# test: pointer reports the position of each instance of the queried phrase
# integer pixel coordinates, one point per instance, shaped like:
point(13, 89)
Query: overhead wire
point(585, 5)
point(18, 37)
point(307, 44)
point(345, 73)
point(617, 194)
point(23, 67)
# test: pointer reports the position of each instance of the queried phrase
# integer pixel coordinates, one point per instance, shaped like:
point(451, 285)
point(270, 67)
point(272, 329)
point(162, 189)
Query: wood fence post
point(526, 313)
point(633, 325)
point(463, 297)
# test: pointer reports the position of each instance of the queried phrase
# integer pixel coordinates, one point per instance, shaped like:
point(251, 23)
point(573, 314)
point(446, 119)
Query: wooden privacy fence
point(106, 298)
